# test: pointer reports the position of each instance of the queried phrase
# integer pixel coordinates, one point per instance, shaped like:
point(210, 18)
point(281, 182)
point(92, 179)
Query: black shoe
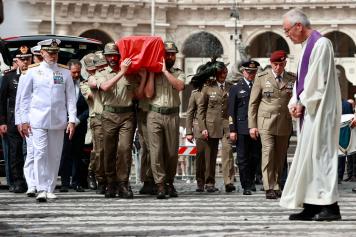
point(270, 194)
point(20, 188)
point(247, 192)
point(79, 189)
point(101, 189)
point(92, 181)
point(230, 188)
point(125, 191)
point(110, 191)
point(11, 188)
point(307, 214)
point(161, 192)
point(64, 189)
point(328, 213)
point(210, 188)
point(278, 193)
point(172, 192)
point(354, 190)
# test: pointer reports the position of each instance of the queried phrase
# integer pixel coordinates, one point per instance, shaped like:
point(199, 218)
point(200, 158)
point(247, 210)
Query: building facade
point(206, 28)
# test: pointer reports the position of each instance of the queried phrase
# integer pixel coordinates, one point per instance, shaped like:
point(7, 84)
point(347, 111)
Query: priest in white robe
point(312, 180)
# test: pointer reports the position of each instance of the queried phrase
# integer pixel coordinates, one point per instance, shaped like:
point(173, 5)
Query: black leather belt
point(118, 110)
point(164, 110)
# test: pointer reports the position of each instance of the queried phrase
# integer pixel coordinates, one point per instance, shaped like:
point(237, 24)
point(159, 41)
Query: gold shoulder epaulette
point(9, 70)
point(33, 65)
point(63, 66)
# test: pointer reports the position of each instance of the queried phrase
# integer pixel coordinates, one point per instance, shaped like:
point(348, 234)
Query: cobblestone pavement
point(191, 214)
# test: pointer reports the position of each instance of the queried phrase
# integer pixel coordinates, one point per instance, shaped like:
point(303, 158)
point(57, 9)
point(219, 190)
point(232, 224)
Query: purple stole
point(305, 66)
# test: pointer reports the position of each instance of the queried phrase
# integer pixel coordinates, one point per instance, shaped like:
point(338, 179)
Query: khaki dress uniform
point(163, 128)
point(268, 111)
point(213, 116)
point(118, 124)
point(193, 128)
point(95, 124)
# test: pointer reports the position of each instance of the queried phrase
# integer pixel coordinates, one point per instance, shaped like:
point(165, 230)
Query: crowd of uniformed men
point(41, 104)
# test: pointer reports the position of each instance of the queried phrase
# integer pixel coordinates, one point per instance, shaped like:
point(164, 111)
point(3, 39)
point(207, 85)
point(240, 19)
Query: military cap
point(111, 48)
point(23, 52)
point(250, 65)
point(50, 45)
point(99, 59)
point(36, 50)
point(278, 56)
point(170, 47)
point(88, 61)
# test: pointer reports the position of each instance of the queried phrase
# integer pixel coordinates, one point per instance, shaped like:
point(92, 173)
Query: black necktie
point(222, 87)
point(250, 84)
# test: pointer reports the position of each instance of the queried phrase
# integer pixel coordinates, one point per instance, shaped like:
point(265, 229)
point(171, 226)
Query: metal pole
point(152, 17)
point(53, 21)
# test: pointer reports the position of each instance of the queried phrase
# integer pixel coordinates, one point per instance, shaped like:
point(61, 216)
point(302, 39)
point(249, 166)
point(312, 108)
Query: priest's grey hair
point(297, 16)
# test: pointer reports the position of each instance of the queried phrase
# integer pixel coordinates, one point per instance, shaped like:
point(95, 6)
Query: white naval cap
point(36, 50)
point(50, 45)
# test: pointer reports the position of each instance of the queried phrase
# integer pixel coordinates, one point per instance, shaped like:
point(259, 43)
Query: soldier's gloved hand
point(233, 136)
point(205, 134)
point(254, 133)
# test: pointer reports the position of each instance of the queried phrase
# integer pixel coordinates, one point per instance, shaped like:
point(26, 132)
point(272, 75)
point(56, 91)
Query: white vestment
point(313, 175)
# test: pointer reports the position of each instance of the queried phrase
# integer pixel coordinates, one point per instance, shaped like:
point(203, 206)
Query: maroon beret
point(278, 56)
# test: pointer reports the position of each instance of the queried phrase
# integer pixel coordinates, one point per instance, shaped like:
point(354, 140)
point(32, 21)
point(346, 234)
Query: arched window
point(202, 45)
point(343, 45)
point(98, 35)
point(264, 44)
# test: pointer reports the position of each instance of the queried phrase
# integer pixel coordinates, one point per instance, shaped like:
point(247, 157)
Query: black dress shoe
point(11, 188)
point(247, 192)
point(79, 189)
point(270, 194)
point(161, 192)
point(328, 213)
point(125, 191)
point(64, 189)
point(172, 192)
point(230, 188)
point(110, 191)
point(278, 193)
point(20, 188)
point(92, 181)
point(210, 188)
point(354, 190)
point(307, 214)
point(147, 188)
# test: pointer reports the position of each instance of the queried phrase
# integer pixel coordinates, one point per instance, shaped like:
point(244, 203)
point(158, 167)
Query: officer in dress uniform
point(193, 131)
point(48, 107)
point(213, 124)
point(163, 121)
point(248, 151)
point(269, 118)
point(36, 51)
point(8, 123)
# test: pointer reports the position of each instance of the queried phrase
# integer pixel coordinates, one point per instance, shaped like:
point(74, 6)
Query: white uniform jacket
point(47, 97)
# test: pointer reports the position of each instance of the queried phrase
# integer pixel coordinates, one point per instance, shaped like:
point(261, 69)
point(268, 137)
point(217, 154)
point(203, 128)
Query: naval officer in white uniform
point(48, 106)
